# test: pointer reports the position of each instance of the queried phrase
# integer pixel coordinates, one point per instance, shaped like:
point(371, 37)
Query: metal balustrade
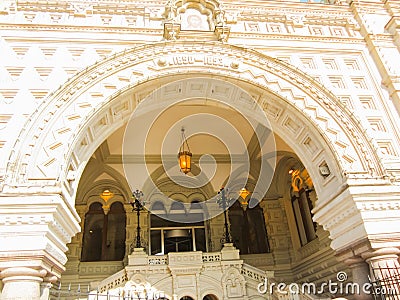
point(385, 283)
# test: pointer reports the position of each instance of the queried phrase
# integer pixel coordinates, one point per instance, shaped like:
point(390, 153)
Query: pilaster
point(277, 224)
point(75, 246)
point(379, 27)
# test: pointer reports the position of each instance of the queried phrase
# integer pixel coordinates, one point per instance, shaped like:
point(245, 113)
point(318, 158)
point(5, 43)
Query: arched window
point(248, 230)
point(177, 206)
point(104, 235)
point(210, 297)
point(301, 187)
point(195, 204)
point(302, 206)
point(158, 205)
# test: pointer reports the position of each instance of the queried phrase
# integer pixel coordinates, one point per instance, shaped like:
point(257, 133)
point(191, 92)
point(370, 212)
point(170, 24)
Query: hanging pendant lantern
point(244, 202)
point(106, 195)
point(184, 155)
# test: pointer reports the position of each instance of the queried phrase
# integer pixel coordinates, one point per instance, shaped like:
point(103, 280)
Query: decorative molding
point(378, 205)
point(250, 62)
point(345, 214)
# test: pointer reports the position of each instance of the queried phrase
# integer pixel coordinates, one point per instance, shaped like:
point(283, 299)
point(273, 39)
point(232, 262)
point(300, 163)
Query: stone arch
point(210, 296)
point(93, 171)
point(161, 181)
point(71, 123)
point(289, 161)
point(120, 193)
point(158, 205)
point(186, 293)
point(211, 286)
point(158, 177)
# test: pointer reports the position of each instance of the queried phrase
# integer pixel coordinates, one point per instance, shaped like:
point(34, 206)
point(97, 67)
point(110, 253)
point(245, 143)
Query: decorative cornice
point(156, 159)
point(157, 34)
point(296, 37)
point(378, 205)
point(122, 7)
point(73, 28)
point(325, 15)
point(338, 218)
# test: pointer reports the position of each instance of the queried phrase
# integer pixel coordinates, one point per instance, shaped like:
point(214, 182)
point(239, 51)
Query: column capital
point(23, 272)
point(22, 282)
point(380, 253)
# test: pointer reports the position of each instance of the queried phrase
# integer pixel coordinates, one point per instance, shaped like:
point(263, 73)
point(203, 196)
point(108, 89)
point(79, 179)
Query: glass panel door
point(170, 236)
point(178, 240)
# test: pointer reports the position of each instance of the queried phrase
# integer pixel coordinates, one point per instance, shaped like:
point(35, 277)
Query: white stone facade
point(327, 76)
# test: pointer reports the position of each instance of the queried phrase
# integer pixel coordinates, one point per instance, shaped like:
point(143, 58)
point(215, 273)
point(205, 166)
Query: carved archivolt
point(73, 121)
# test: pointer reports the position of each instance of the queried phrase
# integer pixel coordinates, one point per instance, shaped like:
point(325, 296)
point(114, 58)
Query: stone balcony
point(177, 274)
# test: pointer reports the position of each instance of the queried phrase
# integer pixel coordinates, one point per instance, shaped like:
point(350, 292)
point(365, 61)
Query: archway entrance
point(260, 232)
point(38, 158)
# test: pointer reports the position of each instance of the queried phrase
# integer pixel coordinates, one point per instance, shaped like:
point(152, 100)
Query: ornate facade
point(296, 101)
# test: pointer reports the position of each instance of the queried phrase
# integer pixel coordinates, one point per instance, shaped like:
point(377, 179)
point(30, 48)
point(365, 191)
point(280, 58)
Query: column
point(363, 222)
point(360, 272)
point(130, 230)
point(75, 247)
point(385, 271)
point(21, 283)
point(284, 230)
point(198, 291)
point(383, 263)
